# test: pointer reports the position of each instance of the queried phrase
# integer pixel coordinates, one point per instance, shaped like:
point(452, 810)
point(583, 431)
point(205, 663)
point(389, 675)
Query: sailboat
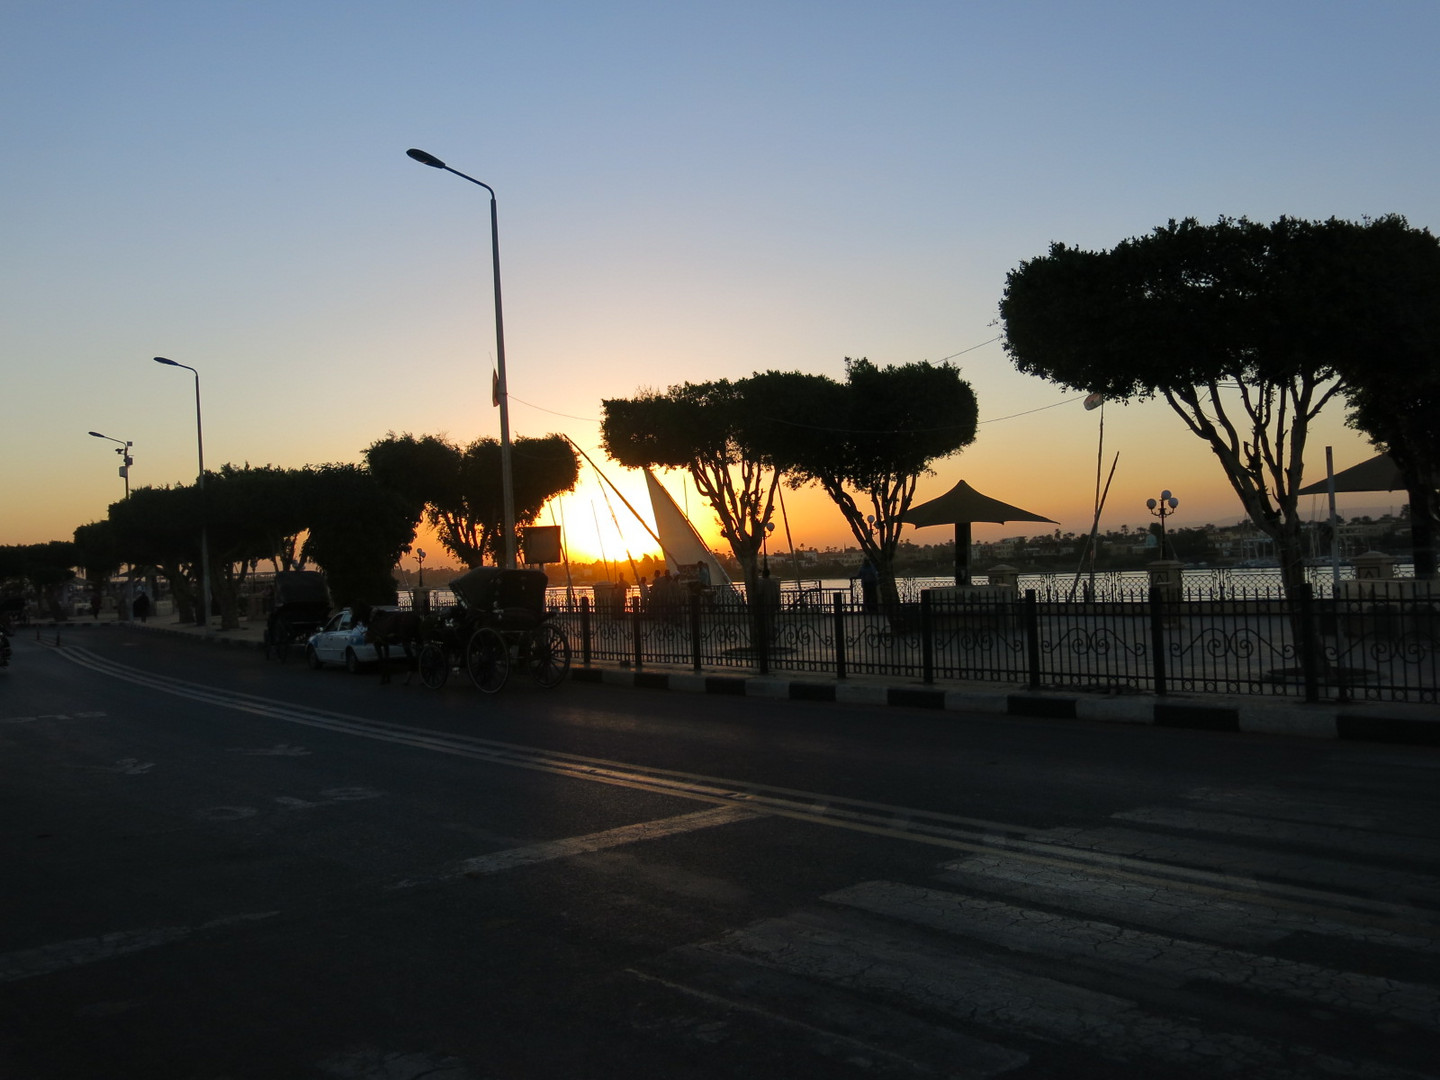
point(681, 545)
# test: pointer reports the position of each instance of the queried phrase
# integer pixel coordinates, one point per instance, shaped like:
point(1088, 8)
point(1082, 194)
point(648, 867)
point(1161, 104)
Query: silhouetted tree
point(460, 491)
point(866, 441)
point(358, 529)
point(1243, 329)
point(1392, 375)
point(696, 427)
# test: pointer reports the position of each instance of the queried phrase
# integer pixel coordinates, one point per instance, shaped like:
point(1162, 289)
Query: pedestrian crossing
point(1200, 942)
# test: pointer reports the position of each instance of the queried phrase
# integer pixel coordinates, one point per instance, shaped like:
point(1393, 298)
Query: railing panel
point(1215, 641)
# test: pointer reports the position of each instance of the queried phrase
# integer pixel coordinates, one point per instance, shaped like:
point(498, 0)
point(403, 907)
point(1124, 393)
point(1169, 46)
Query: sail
point(679, 541)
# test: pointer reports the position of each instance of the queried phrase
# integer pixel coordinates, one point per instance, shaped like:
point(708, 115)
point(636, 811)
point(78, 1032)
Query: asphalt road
point(220, 868)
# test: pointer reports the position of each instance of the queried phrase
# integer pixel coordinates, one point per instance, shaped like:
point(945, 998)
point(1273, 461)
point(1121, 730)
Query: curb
point(1395, 724)
point(1404, 725)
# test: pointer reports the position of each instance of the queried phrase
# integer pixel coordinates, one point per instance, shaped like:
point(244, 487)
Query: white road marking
point(865, 955)
point(51, 716)
point(129, 765)
point(1161, 956)
point(278, 750)
point(947, 831)
point(28, 963)
point(579, 845)
point(226, 813)
point(370, 1063)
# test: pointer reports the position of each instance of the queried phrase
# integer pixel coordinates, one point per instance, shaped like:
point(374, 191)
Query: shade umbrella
point(960, 506)
point(1378, 474)
point(1381, 473)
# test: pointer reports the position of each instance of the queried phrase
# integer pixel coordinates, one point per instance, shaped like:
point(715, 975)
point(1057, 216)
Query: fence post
point(695, 630)
point(1157, 639)
point(1032, 638)
point(839, 635)
point(635, 634)
point(584, 631)
point(927, 640)
point(1309, 642)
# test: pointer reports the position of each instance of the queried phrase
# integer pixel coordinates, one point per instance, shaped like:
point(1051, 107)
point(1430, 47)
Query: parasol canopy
point(1378, 474)
point(962, 503)
point(960, 506)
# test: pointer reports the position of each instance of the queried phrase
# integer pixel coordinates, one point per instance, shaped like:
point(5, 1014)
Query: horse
point(386, 627)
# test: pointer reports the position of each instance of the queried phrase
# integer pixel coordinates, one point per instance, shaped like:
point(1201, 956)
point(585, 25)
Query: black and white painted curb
point(1408, 724)
point(1379, 722)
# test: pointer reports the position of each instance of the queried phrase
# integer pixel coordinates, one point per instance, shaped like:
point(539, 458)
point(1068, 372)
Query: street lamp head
point(1174, 502)
point(427, 159)
point(98, 435)
point(1150, 504)
point(163, 360)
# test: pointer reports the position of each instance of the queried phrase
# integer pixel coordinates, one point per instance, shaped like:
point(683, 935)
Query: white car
point(341, 641)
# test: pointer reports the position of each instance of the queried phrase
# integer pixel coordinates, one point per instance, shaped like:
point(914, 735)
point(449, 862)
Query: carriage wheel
point(487, 659)
point(549, 656)
point(434, 664)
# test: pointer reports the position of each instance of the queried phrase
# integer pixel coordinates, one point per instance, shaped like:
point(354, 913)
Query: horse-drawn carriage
point(301, 605)
point(498, 622)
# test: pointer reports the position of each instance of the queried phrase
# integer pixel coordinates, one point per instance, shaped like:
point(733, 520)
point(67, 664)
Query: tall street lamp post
point(206, 598)
point(1162, 509)
point(502, 395)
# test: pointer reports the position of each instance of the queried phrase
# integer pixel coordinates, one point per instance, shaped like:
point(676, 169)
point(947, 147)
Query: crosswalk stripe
point(1216, 918)
point(857, 953)
point(1122, 949)
point(1375, 890)
point(1325, 837)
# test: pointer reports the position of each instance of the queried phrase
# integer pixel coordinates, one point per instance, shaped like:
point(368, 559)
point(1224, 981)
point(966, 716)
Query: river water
point(1198, 582)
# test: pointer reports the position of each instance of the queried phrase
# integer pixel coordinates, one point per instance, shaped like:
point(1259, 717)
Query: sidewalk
point(1384, 722)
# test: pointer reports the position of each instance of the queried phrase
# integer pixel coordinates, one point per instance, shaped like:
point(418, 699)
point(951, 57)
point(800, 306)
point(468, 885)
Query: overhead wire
point(843, 430)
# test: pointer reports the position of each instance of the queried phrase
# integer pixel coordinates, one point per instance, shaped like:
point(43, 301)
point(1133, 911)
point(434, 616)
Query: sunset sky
point(686, 191)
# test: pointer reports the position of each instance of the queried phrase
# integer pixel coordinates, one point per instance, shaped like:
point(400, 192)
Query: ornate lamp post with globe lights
point(1162, 508)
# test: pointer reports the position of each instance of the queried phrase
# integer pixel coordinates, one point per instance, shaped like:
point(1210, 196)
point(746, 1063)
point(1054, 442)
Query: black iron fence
point(1334, 648)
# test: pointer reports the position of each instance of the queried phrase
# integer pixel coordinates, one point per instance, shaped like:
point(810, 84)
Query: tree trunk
point(1422, 541)
point(181, 592)
point(889, 592)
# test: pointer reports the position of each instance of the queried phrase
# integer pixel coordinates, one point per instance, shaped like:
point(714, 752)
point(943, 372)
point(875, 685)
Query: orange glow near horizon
point(1045, 464)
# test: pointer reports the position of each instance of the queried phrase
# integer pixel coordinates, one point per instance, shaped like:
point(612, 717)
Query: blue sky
point(686, 191)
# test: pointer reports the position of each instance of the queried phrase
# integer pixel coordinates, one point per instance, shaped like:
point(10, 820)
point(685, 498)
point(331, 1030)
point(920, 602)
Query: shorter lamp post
point(126, 461)
point(420, 557)
point(124, 451)
point(1162, 508)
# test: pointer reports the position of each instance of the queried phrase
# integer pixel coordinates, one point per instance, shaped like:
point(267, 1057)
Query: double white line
point(947, 831)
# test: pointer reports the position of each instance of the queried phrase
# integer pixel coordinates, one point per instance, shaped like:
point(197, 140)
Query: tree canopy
point(866, 441)
point(358, 529)
point(1243, 329)
point(697, 427)
point(460, 490)
point(1392, 378)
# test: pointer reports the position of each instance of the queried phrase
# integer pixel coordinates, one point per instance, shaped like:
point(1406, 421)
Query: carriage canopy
point(488, 587)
